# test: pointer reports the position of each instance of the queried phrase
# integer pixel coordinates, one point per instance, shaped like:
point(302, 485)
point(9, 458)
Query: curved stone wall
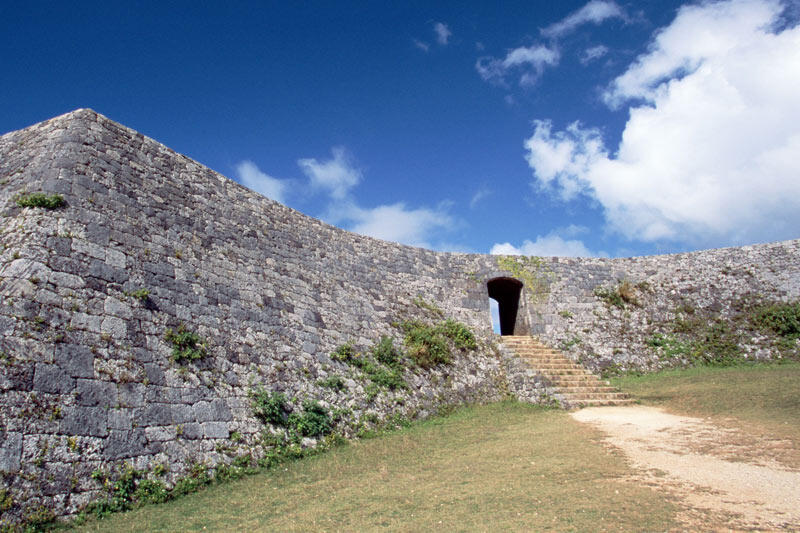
point(88, 381)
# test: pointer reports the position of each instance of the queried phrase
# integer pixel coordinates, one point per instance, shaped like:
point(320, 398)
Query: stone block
point(123, 444)
point(119, 419)
point(79, 420)
point(215, 430)
point(155, 374)
point(156, 414)
point(52, 379)
point(76, 360)
point(131, 394)
point(190, 431)
point(10, 451)
point(92, 392)
point(115, 327)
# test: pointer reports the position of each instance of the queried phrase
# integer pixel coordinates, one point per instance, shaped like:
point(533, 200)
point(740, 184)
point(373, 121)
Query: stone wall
point(674, 296)
point(88, 381)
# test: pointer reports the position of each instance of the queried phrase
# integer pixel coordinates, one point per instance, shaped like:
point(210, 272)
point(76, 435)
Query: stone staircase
point(576, 385)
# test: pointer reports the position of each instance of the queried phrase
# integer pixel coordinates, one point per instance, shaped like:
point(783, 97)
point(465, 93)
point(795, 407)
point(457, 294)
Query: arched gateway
point(506, 292)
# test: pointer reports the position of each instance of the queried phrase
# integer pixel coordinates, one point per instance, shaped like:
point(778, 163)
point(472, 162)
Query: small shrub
point(385, 352)
point(186, 345)
point(269, 407)
point(623, 293)
point(459, 334)
point(627, 292)
point(334, 382)
point(39, 199)
point(6, 501)
point(717, 346)
point(151, 491)
point(344, 353)
point(565, 313)
point(314, 421)
point(140, 294)
point(426, 345)
point(388, 377)
point(781, 318)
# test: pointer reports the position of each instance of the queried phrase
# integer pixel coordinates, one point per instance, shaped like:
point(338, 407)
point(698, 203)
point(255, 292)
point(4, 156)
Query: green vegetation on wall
point(700, 338)
point(39, 199)
point(186, 345)
point(532, 271)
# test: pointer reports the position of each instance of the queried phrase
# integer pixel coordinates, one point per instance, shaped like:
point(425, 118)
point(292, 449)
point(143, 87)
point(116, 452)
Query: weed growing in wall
point(780, 318)
point(383, 369)
point(532, 271)
point(39, 199)
point(186, 345)
point(333, 382)
point(314, 421)
point(269, 407)
point(385, 352)
point(427, 306)
point(273, 408)
point(620, 295)
point(140, 294)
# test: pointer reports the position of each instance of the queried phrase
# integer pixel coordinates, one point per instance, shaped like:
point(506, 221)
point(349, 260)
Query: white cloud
point(548, 245)
point(394, 222)
point(529, 62)
point(595, 52)
point(595, 12)
point(337, 175)
point(709, 154)
point(251, 177)
point(443, 33)
point(391, 222)
point(478, 196)
point(421, 45)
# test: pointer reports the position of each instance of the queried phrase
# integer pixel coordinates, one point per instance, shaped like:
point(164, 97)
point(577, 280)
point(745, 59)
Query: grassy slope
point(500, 467)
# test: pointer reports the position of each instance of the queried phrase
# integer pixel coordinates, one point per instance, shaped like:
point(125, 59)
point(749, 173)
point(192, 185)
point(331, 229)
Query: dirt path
point(724, 480)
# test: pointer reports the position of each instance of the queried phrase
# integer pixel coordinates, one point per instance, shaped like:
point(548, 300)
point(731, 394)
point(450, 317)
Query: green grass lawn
point(505, 466)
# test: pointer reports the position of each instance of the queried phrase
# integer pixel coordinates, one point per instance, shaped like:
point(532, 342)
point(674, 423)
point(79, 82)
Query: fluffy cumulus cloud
point(336, 176)
point(443, 33)
point(709, 154)
point(547, 245)
point(251, 177)
point(395, 222)
point(392, 222)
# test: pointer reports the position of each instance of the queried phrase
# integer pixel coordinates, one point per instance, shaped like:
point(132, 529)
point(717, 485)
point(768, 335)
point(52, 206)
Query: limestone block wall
point(699, 287)
point(86, 375)
point(88, 381)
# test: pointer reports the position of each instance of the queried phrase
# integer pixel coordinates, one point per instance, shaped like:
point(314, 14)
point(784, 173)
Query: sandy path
point(691, 459)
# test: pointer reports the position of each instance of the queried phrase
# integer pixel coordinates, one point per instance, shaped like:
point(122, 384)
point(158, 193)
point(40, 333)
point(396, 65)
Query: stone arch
point(507, 292)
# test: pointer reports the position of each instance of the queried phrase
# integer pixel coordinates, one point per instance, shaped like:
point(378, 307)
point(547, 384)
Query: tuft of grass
point(624, 293)
point(40, 199)
point(498, 467)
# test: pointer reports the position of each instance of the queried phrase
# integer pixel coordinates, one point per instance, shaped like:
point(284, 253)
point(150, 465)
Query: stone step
point(576, 385)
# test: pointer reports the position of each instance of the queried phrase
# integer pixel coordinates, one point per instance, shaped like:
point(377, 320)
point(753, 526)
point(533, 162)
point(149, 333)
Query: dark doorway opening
point(506, 291)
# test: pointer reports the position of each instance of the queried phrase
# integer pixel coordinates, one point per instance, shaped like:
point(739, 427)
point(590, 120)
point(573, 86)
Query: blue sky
point(537, 127)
